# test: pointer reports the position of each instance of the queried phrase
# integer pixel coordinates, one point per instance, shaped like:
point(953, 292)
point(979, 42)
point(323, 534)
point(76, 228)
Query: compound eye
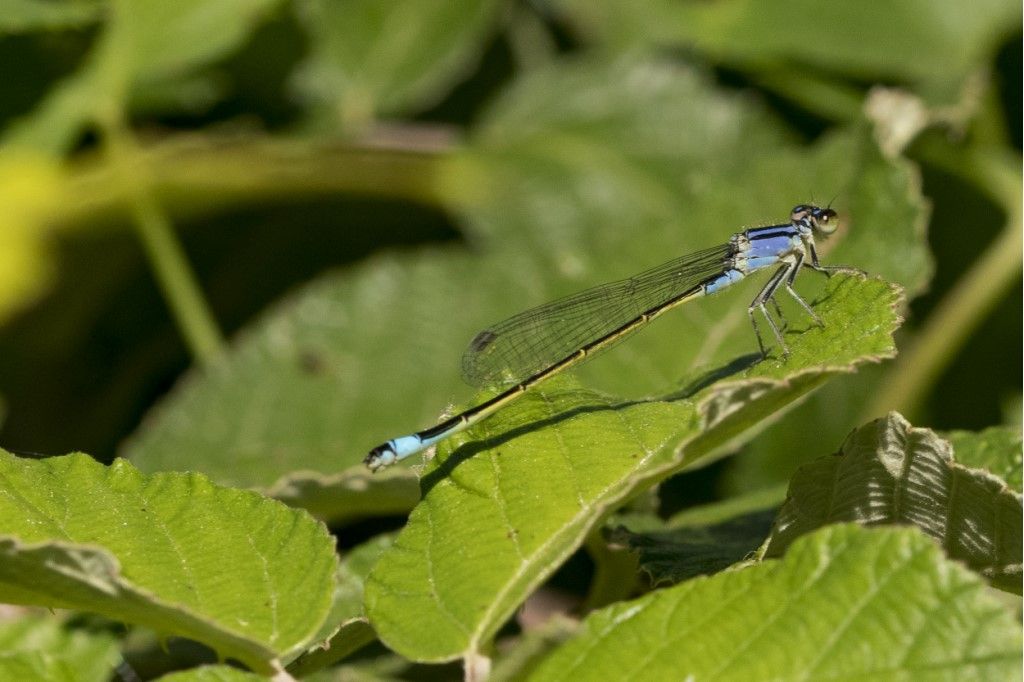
point(826, 221)
point(799, 213)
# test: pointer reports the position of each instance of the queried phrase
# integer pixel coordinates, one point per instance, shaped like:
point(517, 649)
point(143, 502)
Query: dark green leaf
point(671, 556)
point(890, 473)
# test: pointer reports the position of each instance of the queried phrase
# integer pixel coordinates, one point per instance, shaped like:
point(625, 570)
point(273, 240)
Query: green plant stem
point(192, 174)
point(968, 302)
point(166, 256)
point(615, 571)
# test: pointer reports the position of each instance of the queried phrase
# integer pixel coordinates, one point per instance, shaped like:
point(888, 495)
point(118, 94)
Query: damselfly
point(534, 345)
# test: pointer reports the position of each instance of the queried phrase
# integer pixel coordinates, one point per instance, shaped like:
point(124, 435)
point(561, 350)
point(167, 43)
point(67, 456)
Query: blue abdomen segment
point(719, 282)
point(408, 445)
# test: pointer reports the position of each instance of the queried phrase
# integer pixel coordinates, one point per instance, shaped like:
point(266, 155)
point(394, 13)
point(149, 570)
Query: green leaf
point(349, 637)
point(890, 473)
point(20, 16)
point(371, 58)
point(40, 647)
point(352, 494)
point(507, 501)
point(586, 172)
point(933, 45)
point(996, 450)
point(212, 673)
point(352, 573)
point(245, 575)
point(844, 603)
point(517, 659)
point(142, 40)
point(677, 554)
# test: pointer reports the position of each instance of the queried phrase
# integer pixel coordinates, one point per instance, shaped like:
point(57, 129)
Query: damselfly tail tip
point(380, 457)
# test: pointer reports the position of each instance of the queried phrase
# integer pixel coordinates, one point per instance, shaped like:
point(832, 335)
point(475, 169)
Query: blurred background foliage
point(174, 173)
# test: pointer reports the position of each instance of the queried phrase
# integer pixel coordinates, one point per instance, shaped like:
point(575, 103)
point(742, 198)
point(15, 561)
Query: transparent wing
point(524, 344)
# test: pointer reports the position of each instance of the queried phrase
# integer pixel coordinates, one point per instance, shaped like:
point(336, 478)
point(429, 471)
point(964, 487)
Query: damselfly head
point(821, 220)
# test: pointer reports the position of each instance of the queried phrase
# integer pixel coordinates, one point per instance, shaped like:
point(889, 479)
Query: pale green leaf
point(243, 574)
point(40, 647)
point(507, 501)
point(21, 16)
point(352, 573)
point(996, 450)
point(212, 673)
point(583, 173)
point(345, 630)
point(518, 658)
point(371, 58)
point(890, 473)
point(844, 603)
point(932, 45)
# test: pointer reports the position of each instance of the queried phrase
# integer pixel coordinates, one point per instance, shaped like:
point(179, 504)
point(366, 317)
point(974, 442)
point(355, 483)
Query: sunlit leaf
point(997, 450)
point(245, 575)
point(843, 603)
point(507, 501)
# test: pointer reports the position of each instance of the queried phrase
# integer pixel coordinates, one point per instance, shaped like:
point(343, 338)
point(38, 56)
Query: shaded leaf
point(671, 556)
point(890, 473)
point(844, 602)
point(346, 629)
point(142, 40)
point(21, 16)
point(931, 45)
point(520, 657)
point(372, 58)
point(40, 647)
point(352, 494)
point(348, 638)
point(245, 575)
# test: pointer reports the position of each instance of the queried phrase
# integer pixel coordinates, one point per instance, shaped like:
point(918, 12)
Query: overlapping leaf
point(507, 502)
point(843, 603)
point(889, 472)
point(586, 172)
point(932, 46)
point(996, 450)
point(36, 647)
